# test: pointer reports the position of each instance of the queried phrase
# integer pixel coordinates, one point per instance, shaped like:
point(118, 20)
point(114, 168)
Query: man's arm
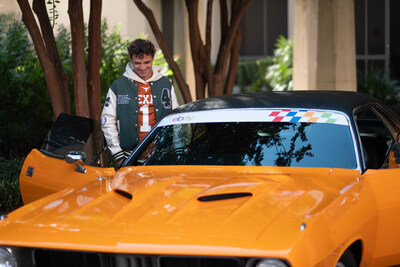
point(174, 100)
point(109, 125)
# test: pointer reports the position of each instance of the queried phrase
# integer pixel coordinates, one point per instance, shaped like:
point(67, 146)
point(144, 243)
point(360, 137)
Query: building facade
point(325, 32)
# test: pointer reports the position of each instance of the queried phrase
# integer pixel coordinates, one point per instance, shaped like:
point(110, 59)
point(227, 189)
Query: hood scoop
point(123, 193)
point(224, 196)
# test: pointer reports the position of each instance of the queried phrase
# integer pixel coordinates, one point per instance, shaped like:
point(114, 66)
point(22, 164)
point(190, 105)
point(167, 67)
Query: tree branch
point(39, 7)
point(184, 88)
point(223, 19)
point(226, 46)
point(208, 25)
point(200, 56)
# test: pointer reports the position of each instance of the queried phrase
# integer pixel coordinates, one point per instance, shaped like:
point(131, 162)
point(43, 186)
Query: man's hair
point(141, 47)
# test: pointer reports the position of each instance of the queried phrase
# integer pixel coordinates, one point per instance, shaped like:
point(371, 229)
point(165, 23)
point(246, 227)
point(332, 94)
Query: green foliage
point(279, 74)
point(272, 73)
point(114, 56)
point(250, 75)
point(25, 104)
point(159, 60)
point(378, 84)
point(10, 196)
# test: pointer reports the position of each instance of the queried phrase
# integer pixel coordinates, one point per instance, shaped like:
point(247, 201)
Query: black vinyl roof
point(344, 101)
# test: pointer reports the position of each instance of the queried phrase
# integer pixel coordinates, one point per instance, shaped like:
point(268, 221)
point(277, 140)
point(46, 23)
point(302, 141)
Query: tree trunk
point(75, 12)
point(184, 88)
point(238, 9)
point(201, 61)
point(53, 82)
point(94, 86)
point(39, 7)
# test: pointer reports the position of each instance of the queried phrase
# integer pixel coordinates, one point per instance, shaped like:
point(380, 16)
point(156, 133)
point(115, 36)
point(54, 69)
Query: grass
point(10, 196)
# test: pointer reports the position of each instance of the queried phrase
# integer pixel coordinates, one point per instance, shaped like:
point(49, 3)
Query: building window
point(262, 24)
point(394, 40)
point(168, 23)
point(372, 24)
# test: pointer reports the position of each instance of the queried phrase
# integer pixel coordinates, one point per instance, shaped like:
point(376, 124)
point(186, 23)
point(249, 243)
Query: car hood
point(191, 205)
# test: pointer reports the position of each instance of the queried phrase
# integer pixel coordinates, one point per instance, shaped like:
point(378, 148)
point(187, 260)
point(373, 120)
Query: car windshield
point(279, 140)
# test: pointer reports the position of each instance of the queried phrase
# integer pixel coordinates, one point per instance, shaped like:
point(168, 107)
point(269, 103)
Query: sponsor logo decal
point(182, 119)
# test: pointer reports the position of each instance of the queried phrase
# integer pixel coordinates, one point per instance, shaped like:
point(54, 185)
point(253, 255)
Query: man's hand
point(120, 162)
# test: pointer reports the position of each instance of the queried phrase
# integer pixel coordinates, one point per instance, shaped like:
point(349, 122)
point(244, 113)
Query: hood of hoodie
point(129, 73)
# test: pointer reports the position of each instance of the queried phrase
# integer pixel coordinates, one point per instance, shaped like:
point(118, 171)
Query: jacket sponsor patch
point(107, 102)
point(123, 99)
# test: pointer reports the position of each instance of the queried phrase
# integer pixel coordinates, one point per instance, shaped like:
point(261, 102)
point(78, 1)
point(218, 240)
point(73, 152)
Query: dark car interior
point(377, 140)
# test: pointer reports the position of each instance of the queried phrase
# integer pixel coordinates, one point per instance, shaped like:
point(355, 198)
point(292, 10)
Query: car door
point(68, 158)
point(379, 134)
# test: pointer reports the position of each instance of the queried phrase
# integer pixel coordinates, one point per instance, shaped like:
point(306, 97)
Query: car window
point(243, 143)
point(377, 137)
point(73, 133)
point(390, 123)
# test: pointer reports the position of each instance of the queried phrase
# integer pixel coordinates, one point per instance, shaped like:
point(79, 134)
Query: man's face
point(143, 67)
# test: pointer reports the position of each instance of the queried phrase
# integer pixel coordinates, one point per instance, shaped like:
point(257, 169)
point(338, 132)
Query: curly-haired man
point(136, 101)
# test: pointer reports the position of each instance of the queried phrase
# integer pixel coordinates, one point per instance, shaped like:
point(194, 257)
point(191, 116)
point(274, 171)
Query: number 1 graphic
point(145, 118)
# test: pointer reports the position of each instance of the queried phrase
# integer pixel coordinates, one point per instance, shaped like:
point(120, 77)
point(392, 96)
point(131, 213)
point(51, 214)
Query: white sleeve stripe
point(109, 123)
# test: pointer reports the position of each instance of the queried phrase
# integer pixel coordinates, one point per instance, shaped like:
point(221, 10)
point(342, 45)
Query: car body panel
point(170, 202)
point(307, 216)
point(384, 184)
point(108, 220)
point(48, 175)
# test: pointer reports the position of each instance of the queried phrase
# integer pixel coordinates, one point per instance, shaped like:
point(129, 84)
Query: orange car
point(302, 178)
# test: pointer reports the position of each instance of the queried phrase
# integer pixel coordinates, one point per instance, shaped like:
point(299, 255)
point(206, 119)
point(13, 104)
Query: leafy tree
point(23, 91)
point(86, 90)
point(206, 76)
point(86, 80)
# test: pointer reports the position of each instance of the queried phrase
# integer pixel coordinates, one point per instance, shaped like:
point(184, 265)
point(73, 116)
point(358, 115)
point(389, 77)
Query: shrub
point(250, 75)
point(378, 84)
point(114, 56)
point(10, 197)
point(25, 105)
point(279, 74)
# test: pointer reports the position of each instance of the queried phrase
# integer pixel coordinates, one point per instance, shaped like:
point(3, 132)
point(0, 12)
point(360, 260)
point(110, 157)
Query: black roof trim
point(344, 101)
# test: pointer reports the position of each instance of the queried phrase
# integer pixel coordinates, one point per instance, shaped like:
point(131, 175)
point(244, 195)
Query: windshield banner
point(257, 115)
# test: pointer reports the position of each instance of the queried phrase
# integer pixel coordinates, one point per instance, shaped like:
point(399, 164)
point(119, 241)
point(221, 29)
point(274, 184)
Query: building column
point(324, 45)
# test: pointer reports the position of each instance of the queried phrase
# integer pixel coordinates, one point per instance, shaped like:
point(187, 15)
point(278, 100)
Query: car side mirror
point(78, 157)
